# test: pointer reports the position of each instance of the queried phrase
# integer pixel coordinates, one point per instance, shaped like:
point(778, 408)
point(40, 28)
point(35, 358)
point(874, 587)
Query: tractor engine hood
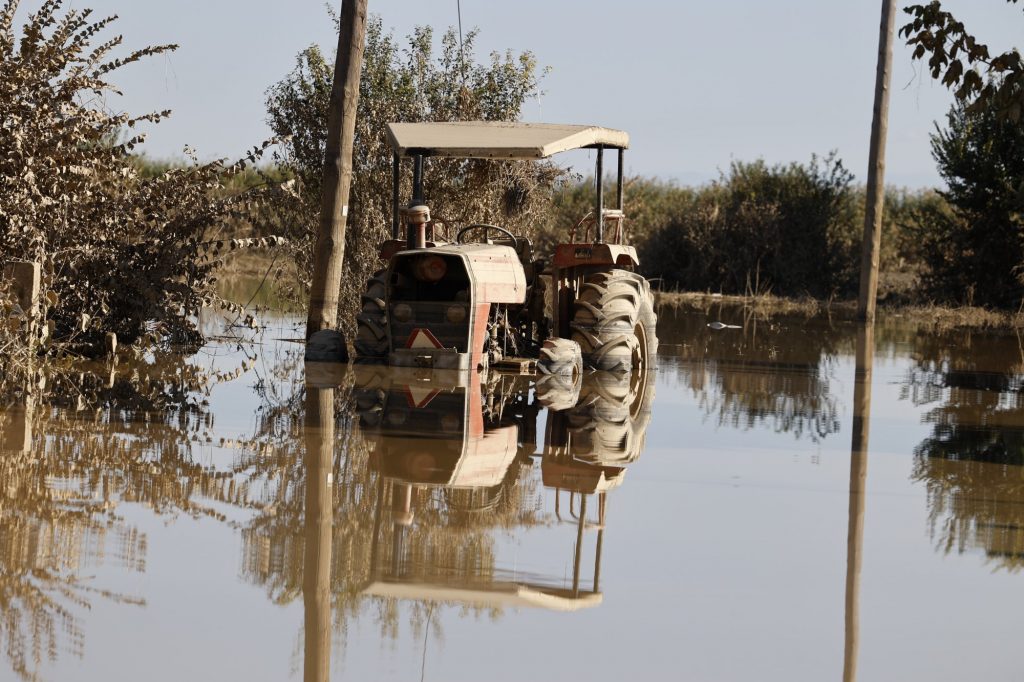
point(439, 301)
point(494, 272)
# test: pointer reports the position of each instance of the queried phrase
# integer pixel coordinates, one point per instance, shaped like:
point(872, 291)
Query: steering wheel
point(487, 228)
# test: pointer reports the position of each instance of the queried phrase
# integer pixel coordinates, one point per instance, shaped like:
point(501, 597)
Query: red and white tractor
point(479, 297)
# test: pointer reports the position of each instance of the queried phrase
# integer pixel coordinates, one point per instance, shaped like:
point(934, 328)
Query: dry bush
point(121, 251)
point(413, 84)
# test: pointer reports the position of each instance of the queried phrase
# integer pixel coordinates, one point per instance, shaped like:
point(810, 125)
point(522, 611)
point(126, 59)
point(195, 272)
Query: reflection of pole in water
point(600, 541)
point(579, 546)
point(316, 579)
point(402, 517)
point(858, 478)
point(581, 526)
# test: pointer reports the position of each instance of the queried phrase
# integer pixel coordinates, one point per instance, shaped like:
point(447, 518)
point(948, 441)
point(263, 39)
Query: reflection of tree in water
point(973, 463)
point(138, 437)
point(49, 534)
point(776, 373)
point(122, 439)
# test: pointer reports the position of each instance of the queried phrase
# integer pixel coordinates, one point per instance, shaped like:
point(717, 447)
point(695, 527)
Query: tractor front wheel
point(371, 322)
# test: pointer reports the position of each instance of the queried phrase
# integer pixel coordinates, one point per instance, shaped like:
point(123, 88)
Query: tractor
point(477, 297)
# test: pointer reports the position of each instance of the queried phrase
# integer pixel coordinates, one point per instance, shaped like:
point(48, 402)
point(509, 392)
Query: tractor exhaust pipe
point(416, 218)
point(600, 194)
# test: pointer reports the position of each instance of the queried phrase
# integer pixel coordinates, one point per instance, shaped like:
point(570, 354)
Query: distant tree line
point(791, 229)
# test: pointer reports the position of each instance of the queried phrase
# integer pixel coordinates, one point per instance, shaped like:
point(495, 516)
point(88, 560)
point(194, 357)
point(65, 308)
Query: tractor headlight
point(429, 268)
point(451, 422)
point(455, 314)
point(402, 312)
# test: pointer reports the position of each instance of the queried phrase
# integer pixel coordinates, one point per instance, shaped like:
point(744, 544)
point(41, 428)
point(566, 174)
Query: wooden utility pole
point(341, 128)
point(876, 168)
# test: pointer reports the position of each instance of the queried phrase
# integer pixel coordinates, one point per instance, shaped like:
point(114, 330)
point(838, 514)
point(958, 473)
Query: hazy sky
point(697, 84)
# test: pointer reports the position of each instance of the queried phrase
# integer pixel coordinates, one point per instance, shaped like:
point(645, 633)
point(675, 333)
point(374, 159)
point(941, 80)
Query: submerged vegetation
point(122, 252)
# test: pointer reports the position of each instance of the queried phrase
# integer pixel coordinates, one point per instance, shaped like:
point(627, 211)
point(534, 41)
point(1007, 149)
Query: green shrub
point(650, 204)
point(902, 250)
point(788, 229)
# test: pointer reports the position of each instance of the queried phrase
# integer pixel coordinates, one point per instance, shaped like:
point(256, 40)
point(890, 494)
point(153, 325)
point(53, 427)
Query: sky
point(696, 84)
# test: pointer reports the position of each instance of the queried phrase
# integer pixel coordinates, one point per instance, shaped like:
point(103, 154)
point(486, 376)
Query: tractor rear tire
point(371, 323)
point(614, 321)
point(609, 422)
point(649, 320)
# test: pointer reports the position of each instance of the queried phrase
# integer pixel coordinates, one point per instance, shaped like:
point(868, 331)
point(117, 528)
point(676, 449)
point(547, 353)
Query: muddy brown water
point(791, 500)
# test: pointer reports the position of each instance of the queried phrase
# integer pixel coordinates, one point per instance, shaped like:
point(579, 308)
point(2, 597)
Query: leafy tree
point(956, 56)
point(120, 251)
point(410, 84)
point(974, 247)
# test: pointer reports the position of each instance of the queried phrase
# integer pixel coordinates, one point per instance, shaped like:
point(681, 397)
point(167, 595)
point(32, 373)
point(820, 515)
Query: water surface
point(791, 500)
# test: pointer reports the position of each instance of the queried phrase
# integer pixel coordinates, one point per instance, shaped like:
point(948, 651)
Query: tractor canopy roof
point(498, 139)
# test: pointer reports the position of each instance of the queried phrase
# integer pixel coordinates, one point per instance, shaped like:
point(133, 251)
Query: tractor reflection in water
point(461, 441)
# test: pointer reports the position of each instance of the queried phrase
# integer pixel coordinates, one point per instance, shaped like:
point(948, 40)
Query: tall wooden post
point(341, 126)
point(876, 168)
point(24, 280)
point(16, 428)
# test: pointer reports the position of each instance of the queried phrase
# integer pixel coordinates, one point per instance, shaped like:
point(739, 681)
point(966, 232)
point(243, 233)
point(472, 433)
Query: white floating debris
point(723, 325)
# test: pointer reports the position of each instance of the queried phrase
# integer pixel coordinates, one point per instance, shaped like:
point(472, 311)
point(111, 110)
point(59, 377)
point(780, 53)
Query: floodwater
point(790, 500)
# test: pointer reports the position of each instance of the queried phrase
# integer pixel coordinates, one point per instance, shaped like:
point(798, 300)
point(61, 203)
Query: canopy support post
point(618, 187)
point(417, 179)
point(579, 546)
point(396, 223)
point(599, 237)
